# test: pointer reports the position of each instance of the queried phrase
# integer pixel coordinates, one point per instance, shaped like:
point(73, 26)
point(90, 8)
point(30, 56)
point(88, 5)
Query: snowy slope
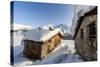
point(63, 53)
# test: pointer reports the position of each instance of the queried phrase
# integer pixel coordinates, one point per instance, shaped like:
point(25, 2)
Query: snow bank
point(17, 38)
point(64, 58)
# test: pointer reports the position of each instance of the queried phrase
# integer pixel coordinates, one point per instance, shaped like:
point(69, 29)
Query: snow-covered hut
point(38, 43)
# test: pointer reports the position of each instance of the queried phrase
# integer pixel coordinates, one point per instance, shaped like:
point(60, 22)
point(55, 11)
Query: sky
point(39, 14)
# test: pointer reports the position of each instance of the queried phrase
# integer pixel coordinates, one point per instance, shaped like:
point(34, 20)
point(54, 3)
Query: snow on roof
point(41, 35)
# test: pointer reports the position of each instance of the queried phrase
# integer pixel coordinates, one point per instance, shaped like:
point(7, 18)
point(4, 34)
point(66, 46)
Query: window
point(81, 32)
point(92, 30)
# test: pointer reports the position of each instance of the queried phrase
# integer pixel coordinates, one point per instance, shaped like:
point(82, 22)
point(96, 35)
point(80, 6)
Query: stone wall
point(83, 45)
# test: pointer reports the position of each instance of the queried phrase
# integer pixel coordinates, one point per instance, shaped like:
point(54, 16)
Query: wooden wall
point(48, 46)
point(32, 49)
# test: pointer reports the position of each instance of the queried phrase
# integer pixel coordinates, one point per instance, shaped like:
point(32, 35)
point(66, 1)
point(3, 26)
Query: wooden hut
point(38, 43)
point(86, 36)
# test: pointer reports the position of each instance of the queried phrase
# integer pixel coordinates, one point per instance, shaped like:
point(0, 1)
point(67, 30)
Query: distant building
point(85, 35)
point(38, 43)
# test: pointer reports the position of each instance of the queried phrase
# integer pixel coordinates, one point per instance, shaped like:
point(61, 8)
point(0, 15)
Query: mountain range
point(66, 30)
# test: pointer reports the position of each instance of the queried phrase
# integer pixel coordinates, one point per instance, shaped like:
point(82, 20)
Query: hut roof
point(41, 35)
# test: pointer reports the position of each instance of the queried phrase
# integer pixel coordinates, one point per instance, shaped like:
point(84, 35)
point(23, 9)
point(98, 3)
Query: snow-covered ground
point(64, 53)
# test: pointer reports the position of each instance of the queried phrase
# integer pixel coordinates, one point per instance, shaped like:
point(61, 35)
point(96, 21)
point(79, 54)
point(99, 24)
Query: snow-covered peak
point(65, 29)
point(47, 27)
point(50, 25)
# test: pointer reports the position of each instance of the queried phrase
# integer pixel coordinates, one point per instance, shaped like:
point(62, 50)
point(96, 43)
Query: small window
point(81, 32)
